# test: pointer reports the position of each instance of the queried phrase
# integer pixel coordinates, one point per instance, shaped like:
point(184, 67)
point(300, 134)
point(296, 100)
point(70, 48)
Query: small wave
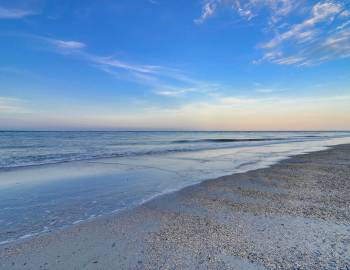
point(28, 235)
point(31, 160)
point(186, 145)
point(229, 140)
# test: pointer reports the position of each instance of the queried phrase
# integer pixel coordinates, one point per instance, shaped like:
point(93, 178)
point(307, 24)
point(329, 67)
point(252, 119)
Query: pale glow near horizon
point(227, 113)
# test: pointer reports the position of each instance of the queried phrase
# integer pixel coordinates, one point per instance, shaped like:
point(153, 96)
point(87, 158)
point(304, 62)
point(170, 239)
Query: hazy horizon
point(163, 130)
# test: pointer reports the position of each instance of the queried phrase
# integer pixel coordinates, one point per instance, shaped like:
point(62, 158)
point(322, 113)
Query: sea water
point(51, 180)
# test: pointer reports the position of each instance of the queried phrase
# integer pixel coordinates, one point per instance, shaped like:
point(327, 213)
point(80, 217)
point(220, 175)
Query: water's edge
point(117, 212)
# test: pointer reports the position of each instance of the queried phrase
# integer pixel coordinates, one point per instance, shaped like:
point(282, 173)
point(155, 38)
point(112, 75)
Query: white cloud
point(173, 92)
point(115, 63)
point(320, 12)
point(290, 60)
point(204, 89)
point(208, 10)
point(343, 25)
point(248, 9)
point(164, 81)
point(154, 76)
point(322, 36)
point(70, 44)
point(105, 62)
point(14, 13)
point(237, 101)
point(269, 90)
point(345, 13)
point(318, 32)
point(332, 46)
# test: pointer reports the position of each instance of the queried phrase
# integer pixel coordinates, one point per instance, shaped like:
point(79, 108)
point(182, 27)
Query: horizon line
point(155, 130)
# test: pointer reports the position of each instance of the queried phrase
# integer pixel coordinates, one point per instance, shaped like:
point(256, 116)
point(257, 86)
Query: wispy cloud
point(237, 101)
point(269, 90)
point(115, 63)
point(248, 9)
point(320, 30)
point(208, 10)
point(12, 105)
point(320, 12)
point(15, 13)
point(71, 45)
point(190, 87)
point(276, 100)
point(173, 92)
point(106, 63)
point(324, 35)
point(165, 81)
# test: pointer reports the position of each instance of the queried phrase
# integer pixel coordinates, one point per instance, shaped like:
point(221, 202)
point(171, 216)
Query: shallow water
point(49, 180)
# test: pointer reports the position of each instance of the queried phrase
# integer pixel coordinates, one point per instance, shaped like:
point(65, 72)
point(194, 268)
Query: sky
point(174, 65)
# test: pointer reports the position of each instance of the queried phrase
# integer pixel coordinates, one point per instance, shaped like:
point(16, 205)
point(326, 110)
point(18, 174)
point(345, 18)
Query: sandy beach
point(293, 215)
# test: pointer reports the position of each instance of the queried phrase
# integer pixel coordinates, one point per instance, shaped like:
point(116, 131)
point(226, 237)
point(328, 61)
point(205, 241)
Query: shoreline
point(187, 205)
point(31, 235)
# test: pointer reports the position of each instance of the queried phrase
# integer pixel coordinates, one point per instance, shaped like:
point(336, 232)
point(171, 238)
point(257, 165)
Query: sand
point(293, 215)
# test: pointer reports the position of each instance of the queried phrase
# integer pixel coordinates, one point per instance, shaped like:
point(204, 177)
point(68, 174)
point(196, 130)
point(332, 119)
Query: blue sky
point(153, 64)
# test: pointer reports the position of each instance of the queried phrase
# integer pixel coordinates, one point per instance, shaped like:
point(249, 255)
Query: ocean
point(52, 180)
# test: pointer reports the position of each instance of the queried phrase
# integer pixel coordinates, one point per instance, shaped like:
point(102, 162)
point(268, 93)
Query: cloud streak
point(208, 10)
point(174, 92)
point(248, 9)
point(15, 13)
point(11, 105)
point(165, 81)
point(70, 45)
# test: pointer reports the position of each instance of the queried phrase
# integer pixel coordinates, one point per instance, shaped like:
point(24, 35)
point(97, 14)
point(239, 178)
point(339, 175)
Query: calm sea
point(50, 180)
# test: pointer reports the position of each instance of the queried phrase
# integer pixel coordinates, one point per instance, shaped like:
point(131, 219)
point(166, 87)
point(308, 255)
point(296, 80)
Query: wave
point(104, 150)
point(49, 159)
point(230, 140)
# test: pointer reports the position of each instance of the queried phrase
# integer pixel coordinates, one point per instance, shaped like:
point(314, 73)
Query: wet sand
point(293, 215)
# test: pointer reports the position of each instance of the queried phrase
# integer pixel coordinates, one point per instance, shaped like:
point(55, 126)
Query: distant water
point(50, 180)
point(37, 148)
